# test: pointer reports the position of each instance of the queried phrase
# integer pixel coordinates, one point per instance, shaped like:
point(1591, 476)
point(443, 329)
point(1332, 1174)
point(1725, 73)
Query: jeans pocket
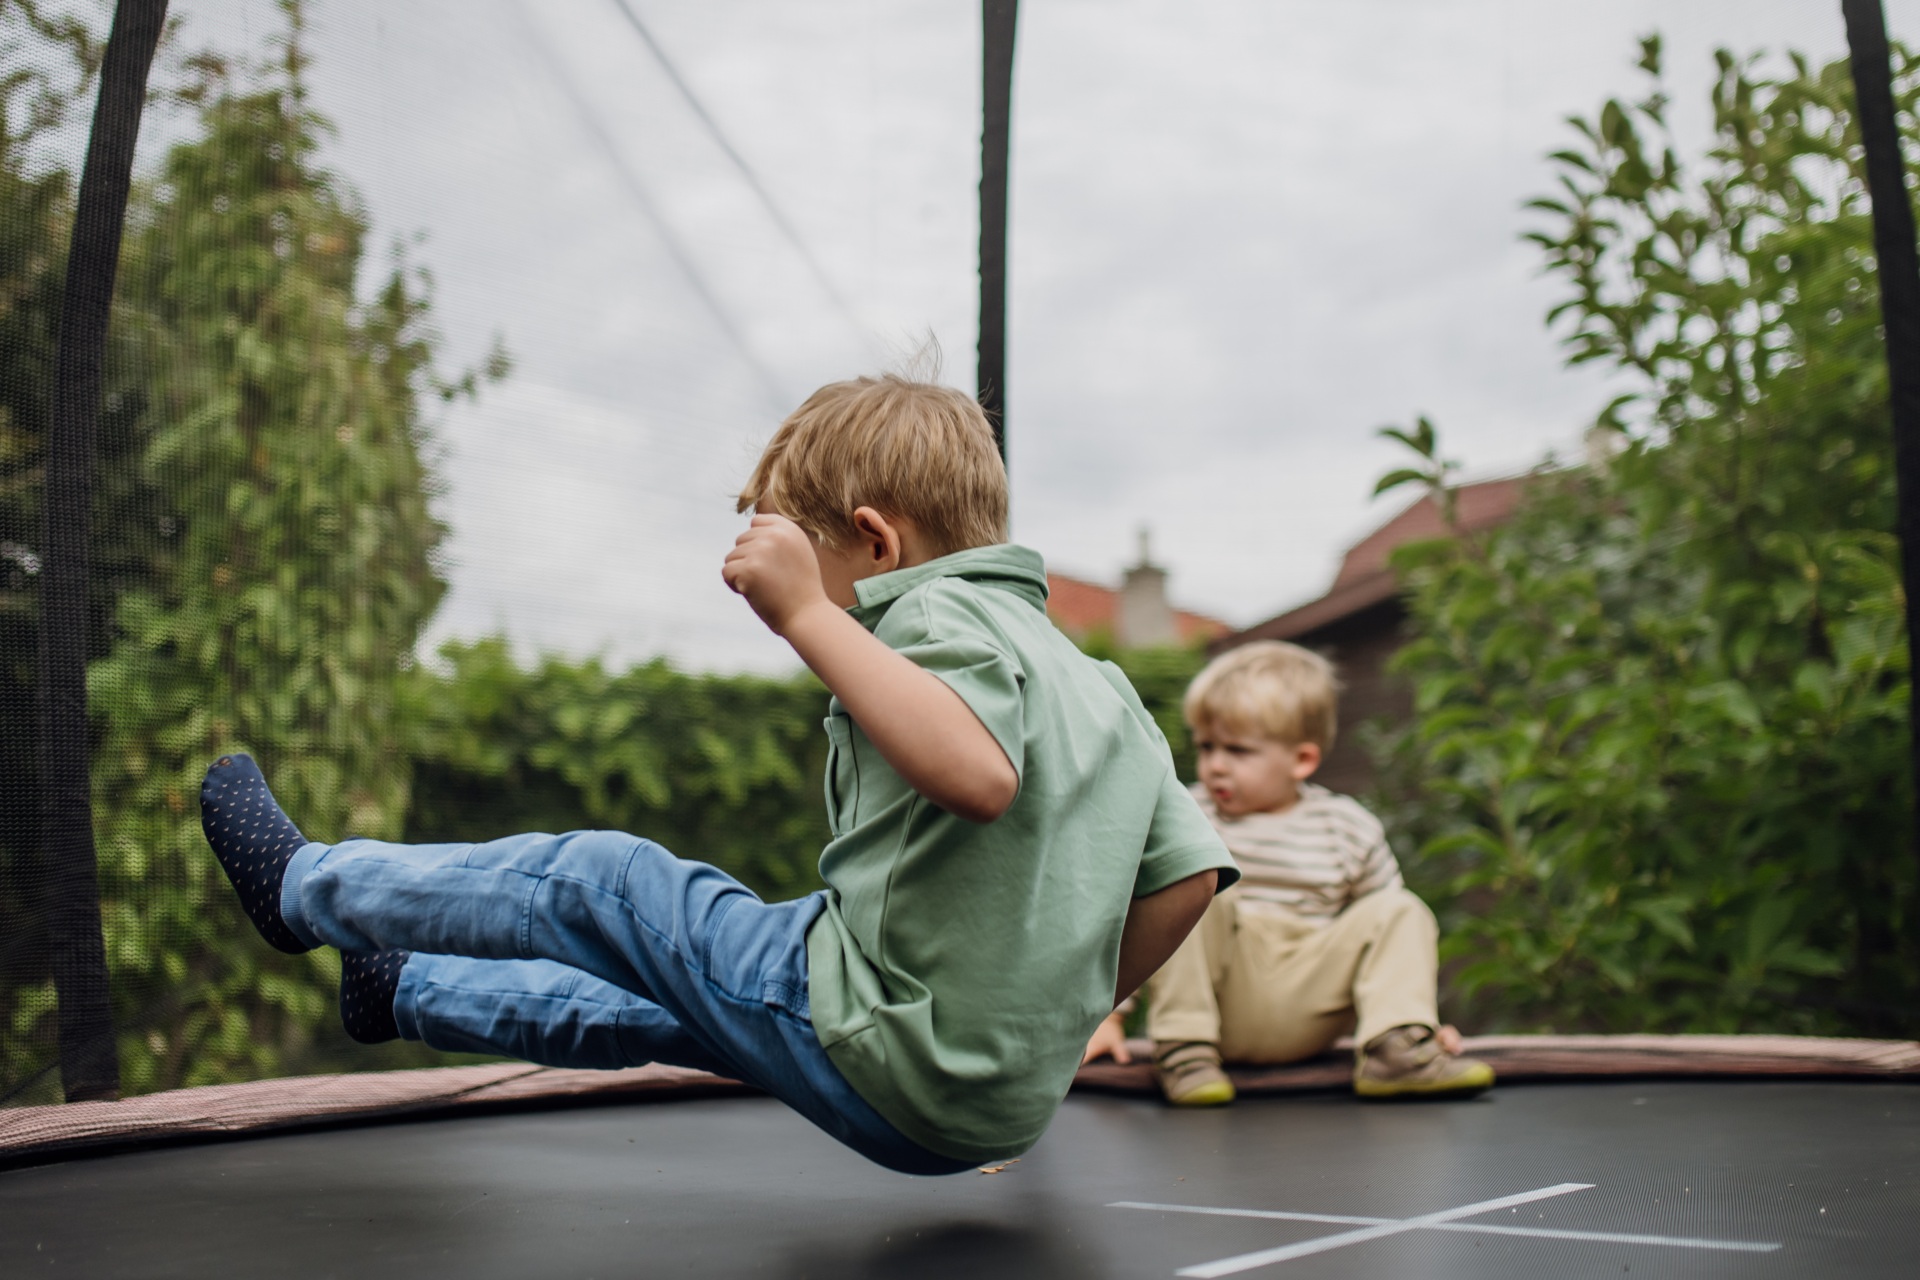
point(756, 952)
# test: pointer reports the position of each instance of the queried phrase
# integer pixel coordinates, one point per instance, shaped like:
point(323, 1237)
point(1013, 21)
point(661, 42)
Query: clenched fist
point(773, 564)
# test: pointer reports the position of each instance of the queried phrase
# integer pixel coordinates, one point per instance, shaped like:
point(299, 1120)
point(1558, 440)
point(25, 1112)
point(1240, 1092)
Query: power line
point(637, 189)
point(720, 140)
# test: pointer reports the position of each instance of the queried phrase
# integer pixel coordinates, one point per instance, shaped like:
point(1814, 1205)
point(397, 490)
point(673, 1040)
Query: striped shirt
point(1314, 859)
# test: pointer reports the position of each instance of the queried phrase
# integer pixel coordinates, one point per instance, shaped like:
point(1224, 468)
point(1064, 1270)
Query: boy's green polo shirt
point(959, 968)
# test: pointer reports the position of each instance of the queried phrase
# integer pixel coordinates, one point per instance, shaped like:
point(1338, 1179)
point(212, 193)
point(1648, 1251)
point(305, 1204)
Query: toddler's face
point(1245, 773)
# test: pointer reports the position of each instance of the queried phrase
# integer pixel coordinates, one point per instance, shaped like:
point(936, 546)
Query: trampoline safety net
point(375, 381)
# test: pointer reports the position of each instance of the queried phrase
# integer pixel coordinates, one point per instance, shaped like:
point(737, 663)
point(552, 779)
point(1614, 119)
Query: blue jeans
point(594, 949)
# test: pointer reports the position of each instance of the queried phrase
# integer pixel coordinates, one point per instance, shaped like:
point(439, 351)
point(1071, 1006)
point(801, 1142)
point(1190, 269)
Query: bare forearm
point(924, 730)
point(1156, 926)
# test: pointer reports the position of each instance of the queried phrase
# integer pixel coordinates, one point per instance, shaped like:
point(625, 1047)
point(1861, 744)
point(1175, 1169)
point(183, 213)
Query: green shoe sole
point(1214, 1093)
point(1465, 1085)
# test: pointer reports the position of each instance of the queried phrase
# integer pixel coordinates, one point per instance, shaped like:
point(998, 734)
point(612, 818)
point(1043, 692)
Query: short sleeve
point(1180, 843)
point(957, 647)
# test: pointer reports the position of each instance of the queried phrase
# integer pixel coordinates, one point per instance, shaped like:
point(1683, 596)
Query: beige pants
point(1268, 986)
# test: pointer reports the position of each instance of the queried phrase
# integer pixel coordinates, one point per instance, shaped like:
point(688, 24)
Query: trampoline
point(307, 1157)
point(1649, 1155)
point(1596, 1178)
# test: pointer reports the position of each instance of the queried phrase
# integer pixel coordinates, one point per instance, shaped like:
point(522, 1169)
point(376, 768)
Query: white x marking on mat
point(1445, 1220)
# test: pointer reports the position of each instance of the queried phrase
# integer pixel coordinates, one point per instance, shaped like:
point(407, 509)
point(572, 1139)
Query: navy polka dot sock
point(254, 842)
point(368, 981)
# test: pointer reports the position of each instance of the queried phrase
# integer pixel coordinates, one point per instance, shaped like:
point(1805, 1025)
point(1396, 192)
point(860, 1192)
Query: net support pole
point(1898, 264)
point(89, 1063)
point(997, 22)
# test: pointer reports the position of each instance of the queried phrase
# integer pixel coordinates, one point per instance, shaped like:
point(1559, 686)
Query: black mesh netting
point(441, 334)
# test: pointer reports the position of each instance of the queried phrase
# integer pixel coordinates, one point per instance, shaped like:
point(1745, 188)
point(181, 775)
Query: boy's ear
point(877, 538)
point(1306, 758)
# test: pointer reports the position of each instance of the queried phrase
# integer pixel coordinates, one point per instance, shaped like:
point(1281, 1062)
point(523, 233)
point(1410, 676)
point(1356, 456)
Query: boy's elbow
point(992, 794)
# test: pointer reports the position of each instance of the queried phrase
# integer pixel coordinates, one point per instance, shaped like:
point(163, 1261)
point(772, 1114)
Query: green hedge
point(726, 769)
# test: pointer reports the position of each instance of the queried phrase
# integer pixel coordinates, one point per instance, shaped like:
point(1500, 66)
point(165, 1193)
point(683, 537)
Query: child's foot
point(368, 981)
point(1408, 1062)
point(254, 842)
point(1190, 1074)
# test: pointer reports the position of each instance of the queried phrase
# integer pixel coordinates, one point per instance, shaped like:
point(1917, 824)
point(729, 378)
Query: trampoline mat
point(1635, 1178)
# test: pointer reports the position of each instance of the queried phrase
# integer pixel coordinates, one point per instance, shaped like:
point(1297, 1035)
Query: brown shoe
point(1407, 1063)
point(1190, 1075)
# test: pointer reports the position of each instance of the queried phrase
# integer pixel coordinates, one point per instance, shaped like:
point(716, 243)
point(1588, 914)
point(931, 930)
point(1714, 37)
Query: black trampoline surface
point(1641, 1178)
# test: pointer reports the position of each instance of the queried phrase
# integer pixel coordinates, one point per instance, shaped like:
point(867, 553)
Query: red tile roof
point(1365, 578)
point(1476, 506)
point(1078, 606)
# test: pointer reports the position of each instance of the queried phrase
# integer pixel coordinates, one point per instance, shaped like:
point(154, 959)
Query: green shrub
point(725, 769)
point(1658, 779)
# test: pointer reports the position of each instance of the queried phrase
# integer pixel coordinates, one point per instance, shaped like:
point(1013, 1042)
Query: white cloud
point(621, 558)
point(1246, 233)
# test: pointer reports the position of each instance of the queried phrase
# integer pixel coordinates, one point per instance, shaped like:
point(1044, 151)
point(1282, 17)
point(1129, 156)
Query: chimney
point(1145, 618)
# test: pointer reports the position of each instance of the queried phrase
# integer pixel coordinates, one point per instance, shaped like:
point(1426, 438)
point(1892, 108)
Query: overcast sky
point(1245, 234)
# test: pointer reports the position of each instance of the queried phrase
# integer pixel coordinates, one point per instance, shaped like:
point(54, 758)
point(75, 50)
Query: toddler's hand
point(1108, 1038)
point(1449, 1039)
point(772, 564)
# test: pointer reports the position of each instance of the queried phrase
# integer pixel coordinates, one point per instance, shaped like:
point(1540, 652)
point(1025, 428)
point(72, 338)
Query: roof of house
point(1366, 579)
point(1078, 606)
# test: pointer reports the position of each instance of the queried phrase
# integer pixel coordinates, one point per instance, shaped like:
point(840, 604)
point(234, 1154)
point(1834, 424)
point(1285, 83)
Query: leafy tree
point(285, 454)
point(52, 61)
point(1658, 778)
point(35, 213)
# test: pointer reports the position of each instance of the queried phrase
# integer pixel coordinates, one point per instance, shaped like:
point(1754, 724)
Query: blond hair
point(1270, 689)
point(910, 449)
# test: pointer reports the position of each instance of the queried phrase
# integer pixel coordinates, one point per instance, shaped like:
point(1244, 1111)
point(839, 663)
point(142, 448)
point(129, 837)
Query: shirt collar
point(1002, 567)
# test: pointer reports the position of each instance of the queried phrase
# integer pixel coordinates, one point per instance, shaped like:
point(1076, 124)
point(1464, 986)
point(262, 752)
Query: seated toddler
point(1320, 936)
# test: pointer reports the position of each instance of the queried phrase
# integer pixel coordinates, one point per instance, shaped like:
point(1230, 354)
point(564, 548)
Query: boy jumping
point(1010, 849)
point(1320, 935)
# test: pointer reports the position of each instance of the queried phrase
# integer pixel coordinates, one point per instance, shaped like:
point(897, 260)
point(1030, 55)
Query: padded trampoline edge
point(51, 1134)
point(1522, 1059)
